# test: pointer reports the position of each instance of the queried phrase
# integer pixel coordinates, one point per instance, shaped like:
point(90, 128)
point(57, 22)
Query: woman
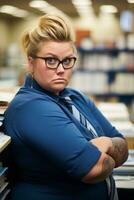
point(54, 155)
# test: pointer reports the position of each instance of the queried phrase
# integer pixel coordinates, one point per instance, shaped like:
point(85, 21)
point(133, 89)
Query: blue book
point(3, 170)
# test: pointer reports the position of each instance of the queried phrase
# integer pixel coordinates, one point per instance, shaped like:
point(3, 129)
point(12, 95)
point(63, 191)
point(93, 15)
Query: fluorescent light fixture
point(12, 10)
point(130, 1)
point(38, 4)
point(83, 7)
point(108, 9)
point(44, 7)
point(81, 3)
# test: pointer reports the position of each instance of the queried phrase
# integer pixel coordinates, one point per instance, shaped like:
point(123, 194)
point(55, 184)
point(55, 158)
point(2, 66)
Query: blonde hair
point(49, 28)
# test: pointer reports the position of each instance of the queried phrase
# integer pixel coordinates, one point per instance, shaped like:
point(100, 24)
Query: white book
point(4, 141)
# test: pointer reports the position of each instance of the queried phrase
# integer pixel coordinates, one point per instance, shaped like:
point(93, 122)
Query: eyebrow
point(51, 54)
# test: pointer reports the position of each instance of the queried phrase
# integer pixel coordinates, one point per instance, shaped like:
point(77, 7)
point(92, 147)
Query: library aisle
point(104, 70)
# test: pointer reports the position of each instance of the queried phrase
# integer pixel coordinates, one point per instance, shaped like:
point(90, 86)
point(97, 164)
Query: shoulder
point(31, 100)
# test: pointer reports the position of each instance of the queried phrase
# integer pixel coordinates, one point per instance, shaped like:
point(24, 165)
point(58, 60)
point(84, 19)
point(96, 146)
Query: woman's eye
point(51, 60)
point(67, 61)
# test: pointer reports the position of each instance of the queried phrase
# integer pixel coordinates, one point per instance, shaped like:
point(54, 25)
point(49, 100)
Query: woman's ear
point(30, 64)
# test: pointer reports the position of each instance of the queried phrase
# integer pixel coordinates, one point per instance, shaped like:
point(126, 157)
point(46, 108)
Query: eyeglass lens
point(52, 62)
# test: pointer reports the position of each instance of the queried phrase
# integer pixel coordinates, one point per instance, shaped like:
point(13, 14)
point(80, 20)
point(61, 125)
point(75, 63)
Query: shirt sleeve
point(108, 129)
point(46, 128)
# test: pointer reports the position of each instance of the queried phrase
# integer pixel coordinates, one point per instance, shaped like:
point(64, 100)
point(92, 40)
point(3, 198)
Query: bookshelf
point(106, 74)
point(117, 113)
point(4, 145)
point(4, 183)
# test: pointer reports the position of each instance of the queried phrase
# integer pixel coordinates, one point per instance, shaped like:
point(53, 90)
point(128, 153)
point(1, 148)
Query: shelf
point(112, 51)
point(110, 71)
point(113, 94)
point(106, 74)
point(126, 98)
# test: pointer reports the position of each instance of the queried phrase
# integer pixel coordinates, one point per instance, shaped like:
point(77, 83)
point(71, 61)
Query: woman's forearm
point(115, 147)
point(101, 170)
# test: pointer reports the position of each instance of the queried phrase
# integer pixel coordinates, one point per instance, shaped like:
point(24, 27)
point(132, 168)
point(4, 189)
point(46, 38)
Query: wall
point(4, 34)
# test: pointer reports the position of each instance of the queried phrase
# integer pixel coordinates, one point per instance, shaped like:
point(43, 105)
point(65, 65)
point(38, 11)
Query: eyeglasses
point(53, 62)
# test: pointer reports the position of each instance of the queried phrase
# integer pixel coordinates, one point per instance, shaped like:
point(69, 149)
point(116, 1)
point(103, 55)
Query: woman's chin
point(58, 89)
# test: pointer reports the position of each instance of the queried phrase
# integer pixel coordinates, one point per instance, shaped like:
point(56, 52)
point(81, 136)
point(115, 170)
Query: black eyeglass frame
point(59, 61)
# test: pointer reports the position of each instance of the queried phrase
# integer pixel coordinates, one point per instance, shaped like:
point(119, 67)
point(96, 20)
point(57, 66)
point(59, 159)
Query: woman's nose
point(60, 68)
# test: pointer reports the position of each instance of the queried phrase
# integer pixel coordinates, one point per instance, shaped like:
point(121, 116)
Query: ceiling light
point(83, 7)
point(108, 9)
point(130, 1)
point(38, 4)
point(45, 7)
point(12, 10)
point(81, 3)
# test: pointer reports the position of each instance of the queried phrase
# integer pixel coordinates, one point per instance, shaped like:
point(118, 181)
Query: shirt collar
point(31, 83)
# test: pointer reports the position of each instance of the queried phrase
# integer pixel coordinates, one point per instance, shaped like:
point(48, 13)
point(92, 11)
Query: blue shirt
point(50, 149)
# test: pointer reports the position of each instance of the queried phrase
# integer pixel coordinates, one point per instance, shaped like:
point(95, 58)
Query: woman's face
point(54, 80)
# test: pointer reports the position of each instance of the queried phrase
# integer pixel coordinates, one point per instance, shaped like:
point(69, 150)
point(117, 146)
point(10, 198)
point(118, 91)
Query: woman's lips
point(59, 80)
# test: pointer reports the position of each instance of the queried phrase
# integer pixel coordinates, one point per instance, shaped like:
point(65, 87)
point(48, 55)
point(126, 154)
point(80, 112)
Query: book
point(124, 170)
point(4, 141)
point(2, 170)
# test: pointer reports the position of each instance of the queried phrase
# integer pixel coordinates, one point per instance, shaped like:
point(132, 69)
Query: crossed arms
point(114, 152)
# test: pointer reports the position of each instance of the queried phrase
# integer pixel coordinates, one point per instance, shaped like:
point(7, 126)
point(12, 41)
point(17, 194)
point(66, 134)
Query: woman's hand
point(104, 144)
point(115, 147)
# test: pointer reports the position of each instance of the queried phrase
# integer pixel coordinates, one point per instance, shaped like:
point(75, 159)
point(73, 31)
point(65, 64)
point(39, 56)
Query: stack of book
point(124, 175)
point(4, 184)
point(3, 106)
point(4, 142)
point(81, 80)
point(117, 113)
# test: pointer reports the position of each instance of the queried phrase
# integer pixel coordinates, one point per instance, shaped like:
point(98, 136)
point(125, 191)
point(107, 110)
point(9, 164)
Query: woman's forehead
point(56, 48)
